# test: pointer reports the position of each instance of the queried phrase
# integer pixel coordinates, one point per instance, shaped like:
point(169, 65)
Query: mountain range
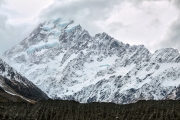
point(67, 63)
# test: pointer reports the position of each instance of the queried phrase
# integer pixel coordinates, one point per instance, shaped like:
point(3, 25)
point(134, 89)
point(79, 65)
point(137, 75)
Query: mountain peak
point(103, 36)
point(167, 50)
point(165, 55)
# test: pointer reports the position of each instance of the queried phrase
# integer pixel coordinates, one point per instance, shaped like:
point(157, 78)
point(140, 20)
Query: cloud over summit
point(154, 23)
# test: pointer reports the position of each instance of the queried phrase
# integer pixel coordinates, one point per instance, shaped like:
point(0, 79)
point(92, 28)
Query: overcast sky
point(154, 23)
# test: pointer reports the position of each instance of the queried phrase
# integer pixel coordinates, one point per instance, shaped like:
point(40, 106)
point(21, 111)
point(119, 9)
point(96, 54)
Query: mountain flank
point(16, 88)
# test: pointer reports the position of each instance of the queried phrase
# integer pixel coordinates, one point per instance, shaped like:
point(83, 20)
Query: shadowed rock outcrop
point(5, 97)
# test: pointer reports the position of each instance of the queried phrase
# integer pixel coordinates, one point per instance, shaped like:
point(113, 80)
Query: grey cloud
point(176, 3)
point(3, 23)
point(3, 27)
point(87, 13)
point(113, 27)
point(5, 34)
point(155, 22)
point(93, 9)
point(172, 37)
point(10, 35)
point(1, 1)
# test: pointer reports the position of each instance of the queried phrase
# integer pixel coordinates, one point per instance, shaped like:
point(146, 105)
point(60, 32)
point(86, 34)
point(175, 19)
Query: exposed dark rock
point(5, 97)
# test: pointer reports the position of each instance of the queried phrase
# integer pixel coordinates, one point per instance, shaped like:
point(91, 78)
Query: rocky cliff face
point(66, 62)
point(14, 84)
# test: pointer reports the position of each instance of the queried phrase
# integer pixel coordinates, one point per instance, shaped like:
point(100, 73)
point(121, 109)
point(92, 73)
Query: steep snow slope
point(13, 83)
point(64, 61)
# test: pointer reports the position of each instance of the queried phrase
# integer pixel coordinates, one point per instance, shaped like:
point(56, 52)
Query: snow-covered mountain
point(14, 84)
point(63, 60)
